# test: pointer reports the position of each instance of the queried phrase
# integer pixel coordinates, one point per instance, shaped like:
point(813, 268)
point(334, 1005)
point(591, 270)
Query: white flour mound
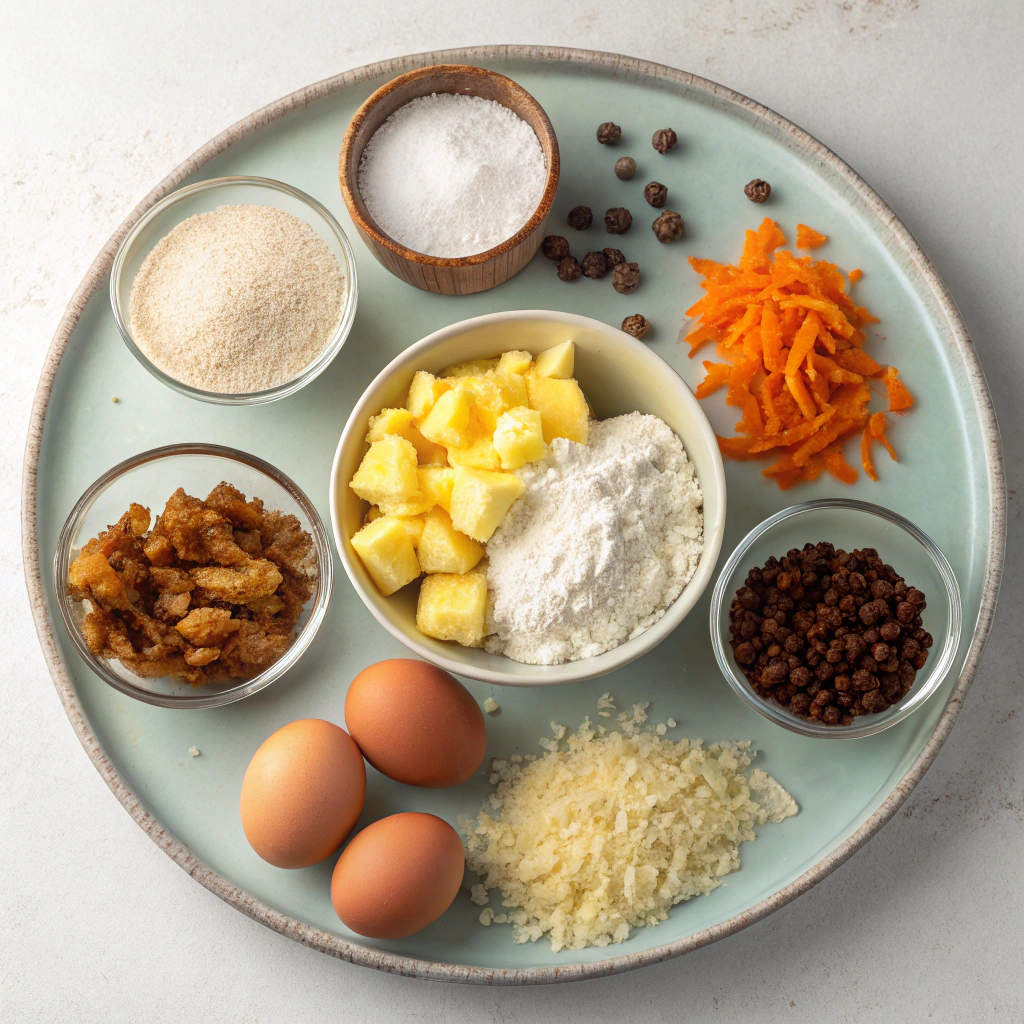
point(603, 539)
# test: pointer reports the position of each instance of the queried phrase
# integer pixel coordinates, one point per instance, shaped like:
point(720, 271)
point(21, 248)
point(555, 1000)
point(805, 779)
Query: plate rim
point(95, 279)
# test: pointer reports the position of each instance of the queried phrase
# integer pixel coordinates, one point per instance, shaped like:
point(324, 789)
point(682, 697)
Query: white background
point(100, 100)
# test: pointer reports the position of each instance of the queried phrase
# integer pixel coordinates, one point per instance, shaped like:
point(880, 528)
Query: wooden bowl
point(465, 274)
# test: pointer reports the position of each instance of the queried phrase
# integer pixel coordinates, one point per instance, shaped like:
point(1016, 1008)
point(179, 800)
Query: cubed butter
point(519, 437)
point(515, 361)
point(562, 407)
point(557, 362)
point(436, 485)
point(386, 549)
point(480, 453)
point(387, 475)
point(443, 549)
point(448, 422)
point(471, 368)
point(481, 499)
point(424, 391)
point(399, 421)
point(453, 607)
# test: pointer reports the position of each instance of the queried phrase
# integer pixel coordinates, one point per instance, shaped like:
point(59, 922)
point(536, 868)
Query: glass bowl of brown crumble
point(836, 618)
point(192, 575)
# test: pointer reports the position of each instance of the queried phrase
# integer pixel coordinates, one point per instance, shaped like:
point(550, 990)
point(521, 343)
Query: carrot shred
point(808, 238)
point(877, 427)
point(790, 351)
point(900, 398)
point(865, 453)
point(717, 375)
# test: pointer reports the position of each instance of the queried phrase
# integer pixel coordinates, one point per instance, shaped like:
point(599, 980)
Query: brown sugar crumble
point(829, 634)
point(212, 592)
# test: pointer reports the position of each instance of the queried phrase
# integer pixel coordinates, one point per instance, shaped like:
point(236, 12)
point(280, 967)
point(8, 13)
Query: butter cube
point(424, 391)
point(557, 362)
point(447, 423)
point(399, 421)
point(480, 453)
point(387, 474)
point(481, 499)
point(436, 485)
point(516, 361)
point(470, 368)
point(443, 549)
point(562, 407)
point(453, 607)
point(519, 437)
point(385, 548)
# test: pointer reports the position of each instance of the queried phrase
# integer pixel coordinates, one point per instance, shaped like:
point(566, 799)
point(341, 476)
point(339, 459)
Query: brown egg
point(416, 723)
point(302, 793)
point(398, 875)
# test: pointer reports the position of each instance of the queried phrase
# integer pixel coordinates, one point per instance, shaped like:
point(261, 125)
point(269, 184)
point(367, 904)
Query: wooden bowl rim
point(349, 190)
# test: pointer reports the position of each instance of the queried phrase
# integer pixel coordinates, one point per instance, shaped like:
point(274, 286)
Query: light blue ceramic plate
point(948, 481)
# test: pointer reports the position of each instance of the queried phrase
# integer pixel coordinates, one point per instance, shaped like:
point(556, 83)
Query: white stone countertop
point(101, 100)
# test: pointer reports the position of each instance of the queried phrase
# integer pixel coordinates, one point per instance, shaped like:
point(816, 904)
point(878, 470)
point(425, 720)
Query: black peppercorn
point(555, 247)
point(580, 218)
point(569, 268)
point(613, 257)
point(636, 325)
point(625, 168)
point(626, 278)
point(608, 133)
point(663, 140)
point(757, 191)
point(617, 220)
point(668, 227)
point(594, 265)
point(655, 193)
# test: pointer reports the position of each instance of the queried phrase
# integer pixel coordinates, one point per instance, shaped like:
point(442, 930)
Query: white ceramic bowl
point(618, 374)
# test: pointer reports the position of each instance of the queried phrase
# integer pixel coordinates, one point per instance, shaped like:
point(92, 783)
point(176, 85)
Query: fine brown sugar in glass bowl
point(829, 634)
point(212, 592)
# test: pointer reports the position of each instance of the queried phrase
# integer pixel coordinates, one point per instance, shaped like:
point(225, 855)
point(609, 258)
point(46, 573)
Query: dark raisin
point(580, 218)
point(608, 133)
point(655, 193)
point(594, 265)
point(569, 268)
point(757, 191)
point(663, 140)
point(617, 220)
point(555, 247)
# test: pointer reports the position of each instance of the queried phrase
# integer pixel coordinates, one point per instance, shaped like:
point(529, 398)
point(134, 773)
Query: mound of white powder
point(450, 175)
point(602, 540)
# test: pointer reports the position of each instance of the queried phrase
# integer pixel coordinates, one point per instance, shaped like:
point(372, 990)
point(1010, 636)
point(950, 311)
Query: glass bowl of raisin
point(836, 618)
point(193, 575)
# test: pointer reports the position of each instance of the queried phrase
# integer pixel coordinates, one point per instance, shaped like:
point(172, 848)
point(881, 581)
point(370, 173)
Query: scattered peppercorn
point(625, 168)
point(820, 632)
point(626, 278)
point(663, 140)
point(613, 257)
point(580, 218)
point(636, 325)
point(757, 191)
point(608, 133)
point(655, 193)
point(555, 247)
point(668, 227)
point(594, 265)
point(568, 268)
point(617, 220)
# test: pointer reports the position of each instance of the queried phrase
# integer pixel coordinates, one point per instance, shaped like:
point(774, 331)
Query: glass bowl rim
point(865, 725)
point(244, 688)
point(310, 372)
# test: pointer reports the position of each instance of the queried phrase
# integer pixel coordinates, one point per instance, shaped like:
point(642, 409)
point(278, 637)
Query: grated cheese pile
point(610, 829)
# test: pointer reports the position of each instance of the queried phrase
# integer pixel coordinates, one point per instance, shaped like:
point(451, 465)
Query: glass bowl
point(848, 524)
point(203, 197)
point(150, 479)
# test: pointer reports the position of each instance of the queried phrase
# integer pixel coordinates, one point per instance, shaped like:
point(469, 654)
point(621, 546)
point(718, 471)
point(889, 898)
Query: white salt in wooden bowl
point(618, 374)
point(463, 275)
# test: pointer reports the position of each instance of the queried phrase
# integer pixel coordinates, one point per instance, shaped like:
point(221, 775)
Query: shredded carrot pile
point(791, 341)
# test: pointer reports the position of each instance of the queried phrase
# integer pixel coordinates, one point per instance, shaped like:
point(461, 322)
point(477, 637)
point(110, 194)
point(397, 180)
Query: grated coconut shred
point(610, 829)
